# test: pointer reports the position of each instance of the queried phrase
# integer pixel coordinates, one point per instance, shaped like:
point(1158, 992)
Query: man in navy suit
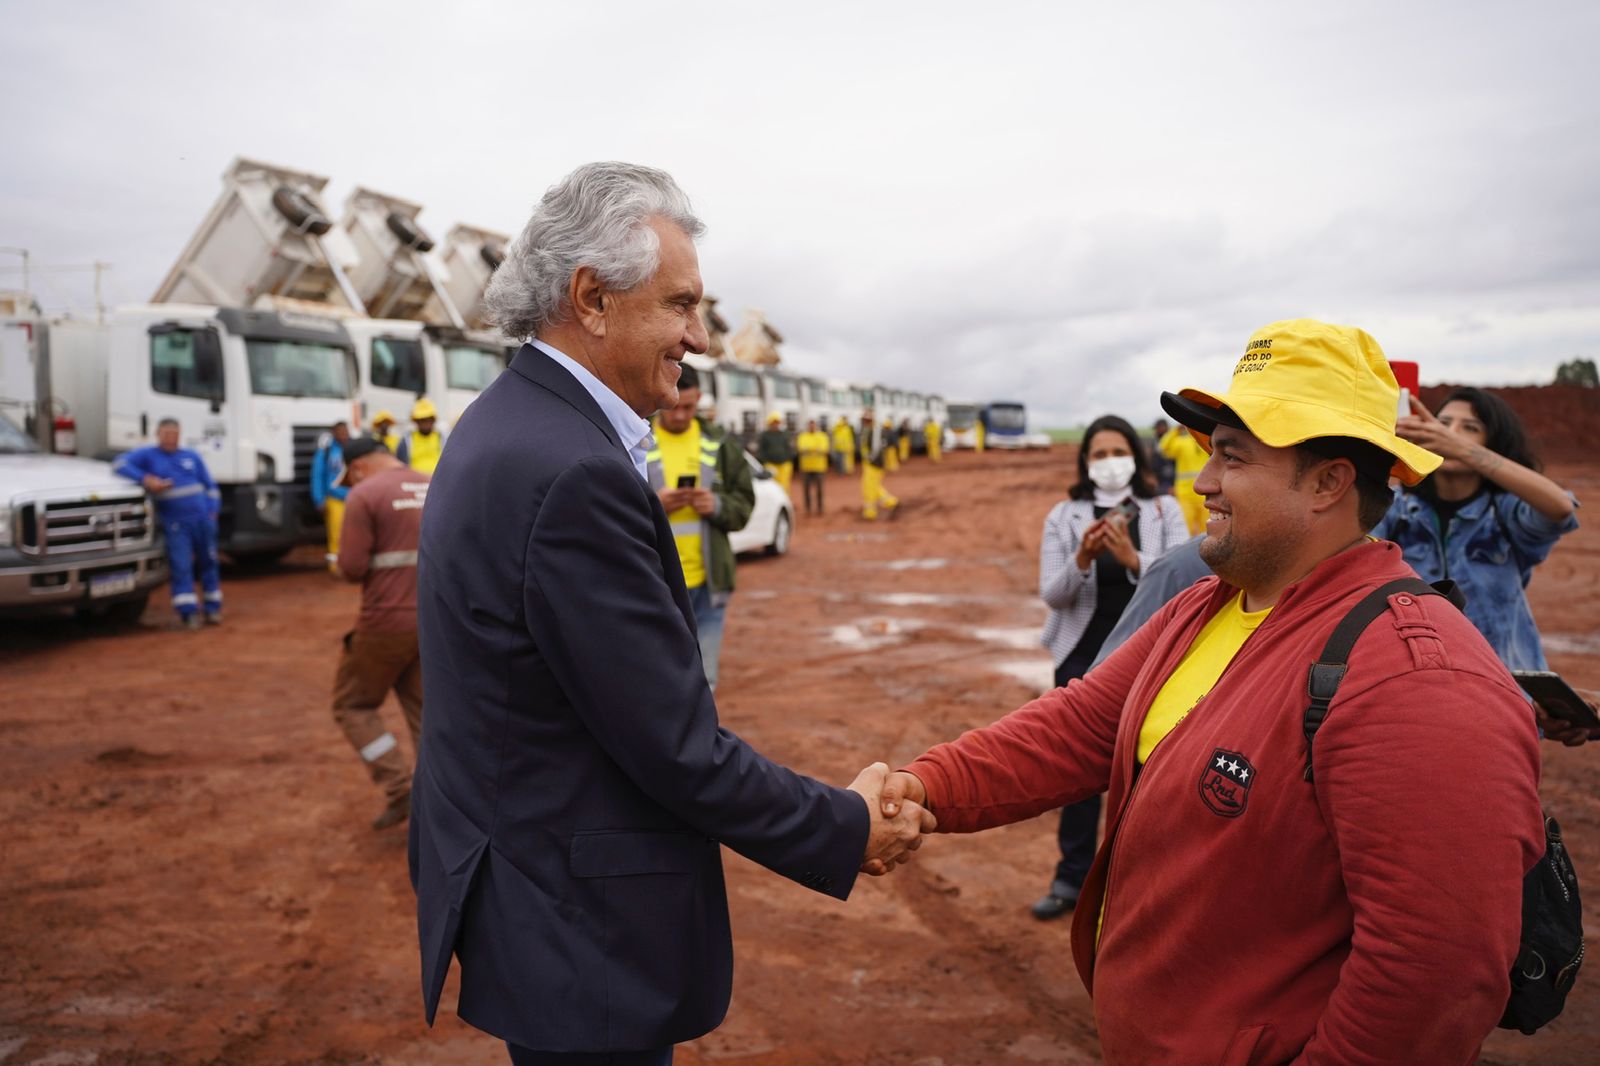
point(574, 787)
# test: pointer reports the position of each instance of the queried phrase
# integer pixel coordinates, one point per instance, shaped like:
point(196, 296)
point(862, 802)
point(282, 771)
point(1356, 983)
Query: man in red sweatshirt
point(1237, 912)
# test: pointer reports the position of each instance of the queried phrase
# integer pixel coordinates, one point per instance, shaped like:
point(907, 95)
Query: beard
point(1243, 564)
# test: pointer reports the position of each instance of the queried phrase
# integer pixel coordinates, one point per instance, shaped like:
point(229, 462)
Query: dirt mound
point(1563, 421)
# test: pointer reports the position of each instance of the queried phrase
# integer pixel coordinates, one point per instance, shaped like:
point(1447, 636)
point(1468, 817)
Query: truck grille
point(305, 449)
point(74, 526)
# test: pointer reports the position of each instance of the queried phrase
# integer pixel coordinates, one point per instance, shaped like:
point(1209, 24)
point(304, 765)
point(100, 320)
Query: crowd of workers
point(559, 610)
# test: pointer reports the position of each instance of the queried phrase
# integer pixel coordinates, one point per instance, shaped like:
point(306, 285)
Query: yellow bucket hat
point(1301, 379)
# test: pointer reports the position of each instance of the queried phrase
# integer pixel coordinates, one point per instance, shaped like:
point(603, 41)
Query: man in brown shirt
point(378, 547)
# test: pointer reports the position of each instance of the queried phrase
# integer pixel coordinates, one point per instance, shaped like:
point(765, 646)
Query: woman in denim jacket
point(1484, 519)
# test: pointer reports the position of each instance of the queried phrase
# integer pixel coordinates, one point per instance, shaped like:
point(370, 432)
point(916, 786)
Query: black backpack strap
point(1328, 671)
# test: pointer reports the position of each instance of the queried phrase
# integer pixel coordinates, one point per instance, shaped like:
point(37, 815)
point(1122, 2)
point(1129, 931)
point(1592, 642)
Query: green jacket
point(775, 447)
point(725, 472)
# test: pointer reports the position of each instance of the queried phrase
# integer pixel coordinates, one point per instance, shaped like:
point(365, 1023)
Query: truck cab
point(253, 392)
point(471, 360)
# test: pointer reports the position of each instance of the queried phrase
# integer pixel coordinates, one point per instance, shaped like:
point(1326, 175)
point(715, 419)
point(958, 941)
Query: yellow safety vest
point(422, 452)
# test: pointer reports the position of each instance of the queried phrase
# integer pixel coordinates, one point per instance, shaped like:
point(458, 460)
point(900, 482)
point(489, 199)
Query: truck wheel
point(302, 214)
point(408, 232)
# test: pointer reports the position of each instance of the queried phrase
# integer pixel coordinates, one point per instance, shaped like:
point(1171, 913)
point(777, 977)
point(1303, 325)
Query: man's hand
point(704, 501)
point(672, 499)
point(893, 836)
point(152, 483)
point(1565, 732)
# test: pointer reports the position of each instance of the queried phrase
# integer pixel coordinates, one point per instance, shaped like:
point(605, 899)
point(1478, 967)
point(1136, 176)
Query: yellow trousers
point(873, 492)
point(891, 458)
point(1191, 503)
point(333, 517)
point(782, 473)
point(847, 462)
point(905, 448)
point(933, 449)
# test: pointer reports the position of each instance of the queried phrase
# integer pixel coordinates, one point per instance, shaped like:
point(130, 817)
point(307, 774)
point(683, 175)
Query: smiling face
point(650, 327)
point(1459, 417)
point(1259, 508)
point(678, 417)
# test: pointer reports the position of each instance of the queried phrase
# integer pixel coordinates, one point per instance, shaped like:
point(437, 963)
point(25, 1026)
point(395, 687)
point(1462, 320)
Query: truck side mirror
point(208, 364)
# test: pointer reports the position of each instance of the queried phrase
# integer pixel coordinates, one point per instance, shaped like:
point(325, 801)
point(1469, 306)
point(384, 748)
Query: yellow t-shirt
point(1202, 664)
point(680, 455)
point(813, 449)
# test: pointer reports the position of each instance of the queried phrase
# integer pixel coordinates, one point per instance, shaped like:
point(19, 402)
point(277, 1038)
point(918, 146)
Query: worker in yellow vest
point(905, 440)
point(977, 436)
point(812, 446)
point(420, 449)
point(383, 431)
point(874, 453)
point(844, 446)
point(1188, 457)
point(935, 435)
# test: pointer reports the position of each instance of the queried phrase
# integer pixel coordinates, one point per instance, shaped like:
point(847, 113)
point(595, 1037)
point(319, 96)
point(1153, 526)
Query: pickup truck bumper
point(95, 579)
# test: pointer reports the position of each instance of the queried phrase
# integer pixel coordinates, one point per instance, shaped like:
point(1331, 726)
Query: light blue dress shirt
point(632, 431)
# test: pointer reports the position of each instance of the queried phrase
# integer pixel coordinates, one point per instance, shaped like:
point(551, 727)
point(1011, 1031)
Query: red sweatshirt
point(1251, 916)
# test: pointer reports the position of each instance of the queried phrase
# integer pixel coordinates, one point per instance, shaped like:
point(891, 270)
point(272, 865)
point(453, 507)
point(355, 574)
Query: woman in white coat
point(1096, 544)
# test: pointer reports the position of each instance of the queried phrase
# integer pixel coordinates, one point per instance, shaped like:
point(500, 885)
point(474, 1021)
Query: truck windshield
point(962, 416)
point(785, 388)
point(13, 441)
point(742, 384)
point(468, 367)
point(1008, 416)
point(300, 368)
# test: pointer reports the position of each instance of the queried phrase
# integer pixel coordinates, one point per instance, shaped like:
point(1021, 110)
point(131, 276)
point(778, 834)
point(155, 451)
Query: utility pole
point(99, 304)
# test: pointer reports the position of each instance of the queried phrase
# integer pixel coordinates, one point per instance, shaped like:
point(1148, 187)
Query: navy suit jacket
point(574, 787)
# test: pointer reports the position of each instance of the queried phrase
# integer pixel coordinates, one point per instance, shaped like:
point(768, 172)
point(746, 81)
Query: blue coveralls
point(188, 513)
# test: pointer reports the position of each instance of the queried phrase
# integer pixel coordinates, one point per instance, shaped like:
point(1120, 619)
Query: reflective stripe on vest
point(181, 492)
point(657, 477)
point(393, 560)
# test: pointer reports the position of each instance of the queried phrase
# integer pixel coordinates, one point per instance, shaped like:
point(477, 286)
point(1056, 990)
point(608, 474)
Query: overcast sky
point(1072, 204)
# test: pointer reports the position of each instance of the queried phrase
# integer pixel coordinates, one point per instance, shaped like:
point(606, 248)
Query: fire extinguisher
point(65, 438)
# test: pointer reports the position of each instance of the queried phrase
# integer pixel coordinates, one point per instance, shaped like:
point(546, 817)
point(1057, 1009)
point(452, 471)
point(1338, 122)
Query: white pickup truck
point(73, 535)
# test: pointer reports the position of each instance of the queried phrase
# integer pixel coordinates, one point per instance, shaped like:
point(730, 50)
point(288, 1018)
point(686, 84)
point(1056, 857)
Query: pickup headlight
point(5, 525)
point(266, 467)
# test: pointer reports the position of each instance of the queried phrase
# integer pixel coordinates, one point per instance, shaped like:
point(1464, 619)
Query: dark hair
point(1372, 465)
point(167, 422)
point(1502, 434)
point(688, 377)
point(1143, 485)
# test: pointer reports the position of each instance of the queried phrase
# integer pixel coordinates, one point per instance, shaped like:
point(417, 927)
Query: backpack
point(1551, 946)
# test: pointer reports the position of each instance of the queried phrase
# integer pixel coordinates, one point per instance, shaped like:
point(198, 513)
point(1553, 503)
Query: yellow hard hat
point(774, 418)
point(424, 408)
point(382, 417)
point(1302, 379)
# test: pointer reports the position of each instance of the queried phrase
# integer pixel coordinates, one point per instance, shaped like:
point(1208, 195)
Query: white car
point(772, 519)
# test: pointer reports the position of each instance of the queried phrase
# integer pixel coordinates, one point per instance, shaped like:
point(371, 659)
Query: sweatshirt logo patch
point(1225, 783)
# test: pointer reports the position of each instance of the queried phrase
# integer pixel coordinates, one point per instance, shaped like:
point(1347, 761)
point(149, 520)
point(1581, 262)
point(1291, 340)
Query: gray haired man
point(575, 788)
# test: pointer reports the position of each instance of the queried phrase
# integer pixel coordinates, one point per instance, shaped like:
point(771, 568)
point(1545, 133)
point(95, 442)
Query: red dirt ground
point(188, 875)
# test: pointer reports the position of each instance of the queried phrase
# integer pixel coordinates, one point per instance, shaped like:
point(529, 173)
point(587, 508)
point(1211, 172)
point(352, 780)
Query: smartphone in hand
point(1556, 698)
point(688, 481)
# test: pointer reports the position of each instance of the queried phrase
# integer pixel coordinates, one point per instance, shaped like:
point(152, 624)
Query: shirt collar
point(631, 429)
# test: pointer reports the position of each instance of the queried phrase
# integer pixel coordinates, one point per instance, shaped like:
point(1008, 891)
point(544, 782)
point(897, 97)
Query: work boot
point(191, 621)
point(398, 810)
point(1061, 898)
point(213, 618)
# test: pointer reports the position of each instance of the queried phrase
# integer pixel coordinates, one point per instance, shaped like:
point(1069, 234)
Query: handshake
point(894, 804)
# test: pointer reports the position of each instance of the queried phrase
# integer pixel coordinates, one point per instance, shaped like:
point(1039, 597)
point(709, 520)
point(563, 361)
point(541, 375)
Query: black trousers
point(813, 479)
point(1079, 830)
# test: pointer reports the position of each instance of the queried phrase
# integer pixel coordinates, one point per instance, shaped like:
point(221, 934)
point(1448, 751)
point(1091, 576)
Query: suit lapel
point(548, 374)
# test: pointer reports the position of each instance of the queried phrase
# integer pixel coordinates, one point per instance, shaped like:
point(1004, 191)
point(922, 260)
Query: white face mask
point(1112, 474)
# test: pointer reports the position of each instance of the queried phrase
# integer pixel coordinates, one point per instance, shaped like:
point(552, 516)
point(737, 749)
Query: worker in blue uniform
point(187, 502)
point(327, 486)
